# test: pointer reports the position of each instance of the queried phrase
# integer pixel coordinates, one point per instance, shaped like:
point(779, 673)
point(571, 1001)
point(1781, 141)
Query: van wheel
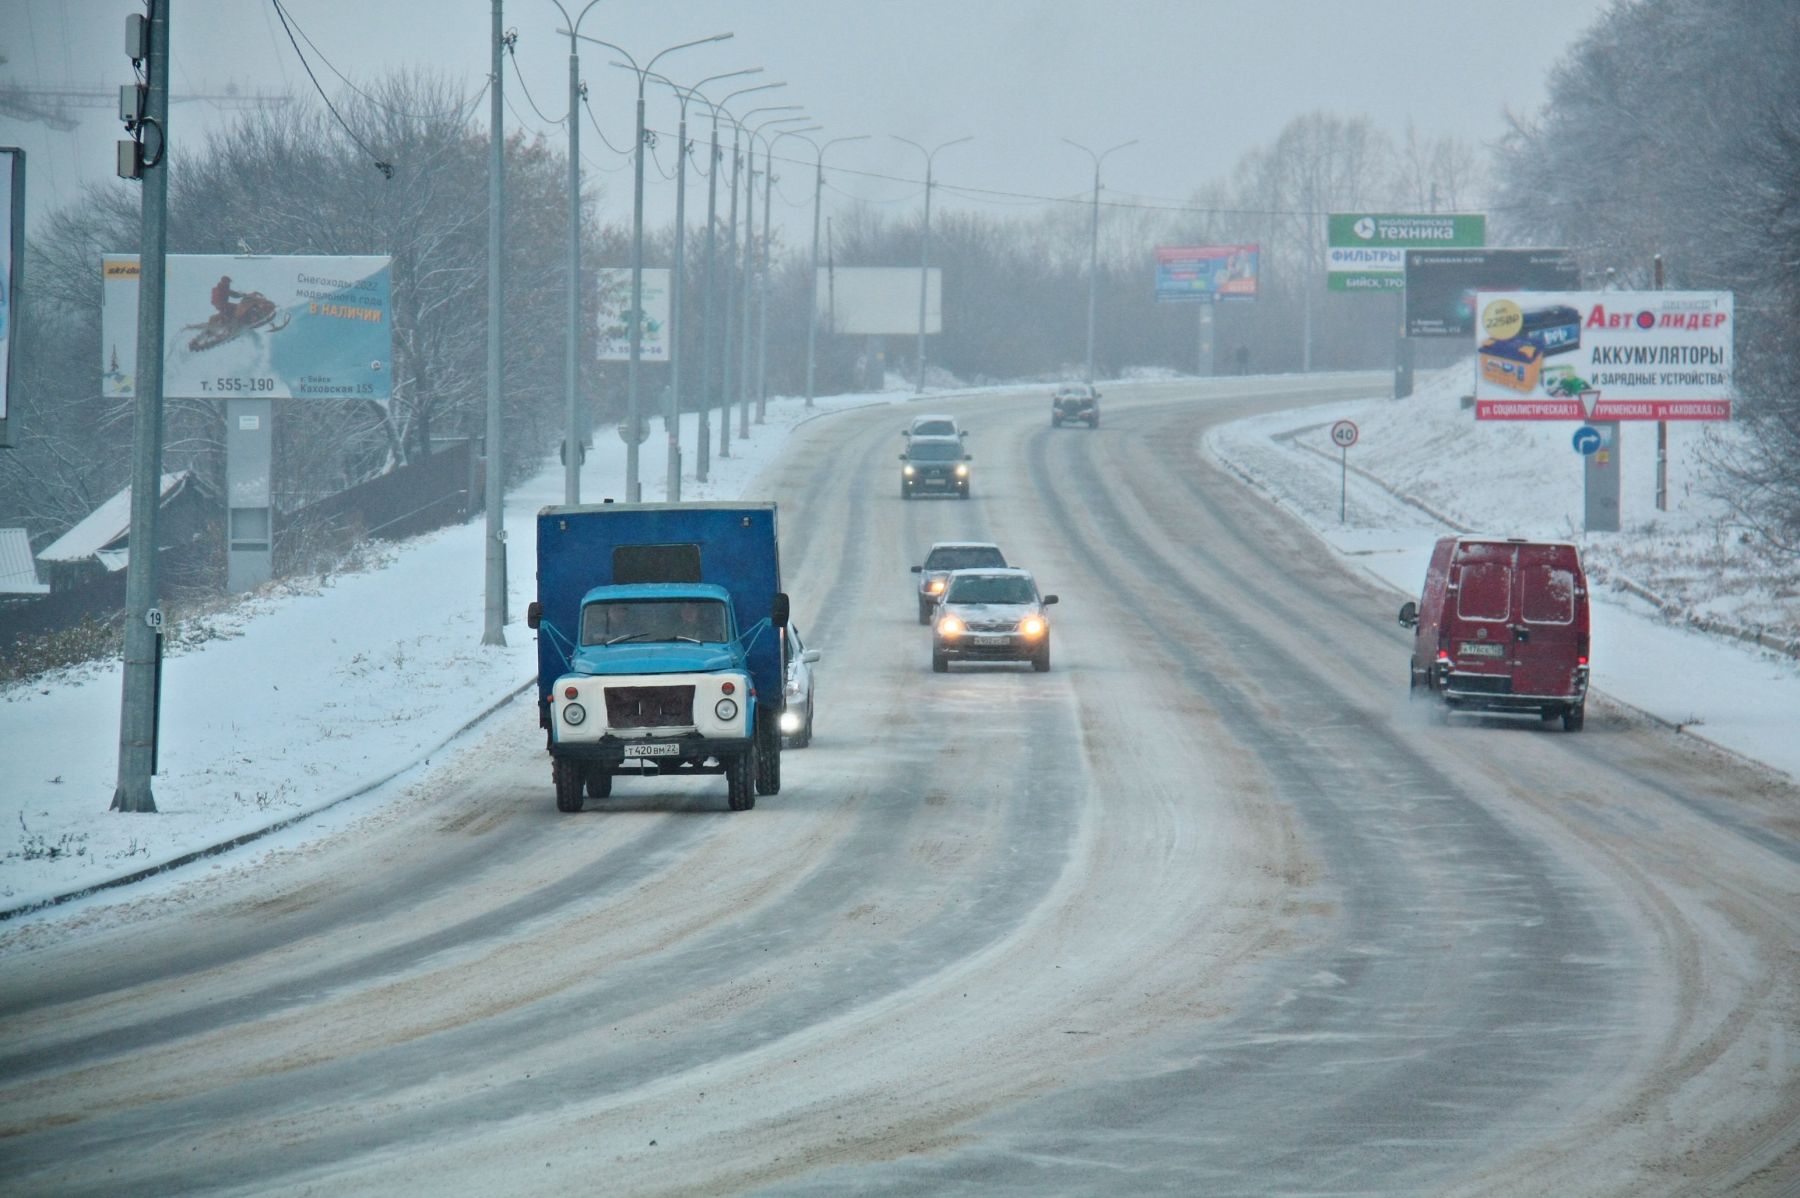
point(740, 780)
point(1575, 717)
point(768, 755)
point(568, 778)
point(599, 782)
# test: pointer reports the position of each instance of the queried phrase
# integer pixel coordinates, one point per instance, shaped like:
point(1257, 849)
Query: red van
point(1502, 625)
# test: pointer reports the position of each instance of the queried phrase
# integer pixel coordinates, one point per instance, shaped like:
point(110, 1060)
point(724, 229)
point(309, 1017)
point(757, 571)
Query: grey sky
point(1197, 82)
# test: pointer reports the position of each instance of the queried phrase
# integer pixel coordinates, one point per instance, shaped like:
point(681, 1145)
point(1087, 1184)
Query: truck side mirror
point(1409, 614)
point(1049, 599)
point(778, 610)
point(534, 614)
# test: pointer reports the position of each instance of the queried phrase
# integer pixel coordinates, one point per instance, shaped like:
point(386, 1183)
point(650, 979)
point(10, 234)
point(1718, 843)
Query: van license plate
point(652, 750)
point(1481, 649)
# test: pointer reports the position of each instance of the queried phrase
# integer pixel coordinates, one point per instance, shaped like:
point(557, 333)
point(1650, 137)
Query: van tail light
point(1582, 661)
point(1443, 655)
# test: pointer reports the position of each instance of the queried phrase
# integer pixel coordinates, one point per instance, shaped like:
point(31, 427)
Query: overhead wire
point(465, 107)
point(386, 168)
point(512, 54)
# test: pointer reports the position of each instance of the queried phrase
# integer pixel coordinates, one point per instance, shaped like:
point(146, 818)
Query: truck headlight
point(726, 709)
point(574, 713)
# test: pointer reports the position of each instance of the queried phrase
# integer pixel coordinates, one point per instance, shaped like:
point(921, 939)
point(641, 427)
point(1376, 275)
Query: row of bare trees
point(1673, 128)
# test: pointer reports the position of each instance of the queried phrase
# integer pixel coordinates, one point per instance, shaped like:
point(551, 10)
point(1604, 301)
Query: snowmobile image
point(255, 310)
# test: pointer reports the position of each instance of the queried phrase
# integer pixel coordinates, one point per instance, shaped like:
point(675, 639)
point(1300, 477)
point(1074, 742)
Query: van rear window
point(1547, 594)
point(1484, 591)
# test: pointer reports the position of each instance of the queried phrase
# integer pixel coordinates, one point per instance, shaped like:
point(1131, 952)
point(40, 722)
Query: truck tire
point(599, 782)
point(1575, 717)
point(568, 777)
point(768, 755)
point(740, 782)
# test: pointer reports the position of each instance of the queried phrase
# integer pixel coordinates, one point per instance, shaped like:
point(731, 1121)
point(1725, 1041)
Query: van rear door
point(1479, 610)
point(1550, 633)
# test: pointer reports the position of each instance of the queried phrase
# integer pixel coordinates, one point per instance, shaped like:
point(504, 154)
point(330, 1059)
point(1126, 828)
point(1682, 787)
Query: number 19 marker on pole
point(1343, 435)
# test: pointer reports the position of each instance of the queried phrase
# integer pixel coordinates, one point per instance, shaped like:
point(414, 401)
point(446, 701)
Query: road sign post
point(1343, 435)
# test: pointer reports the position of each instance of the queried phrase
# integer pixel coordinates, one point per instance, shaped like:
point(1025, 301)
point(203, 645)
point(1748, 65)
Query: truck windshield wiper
point(629, 636)
point(692, 640)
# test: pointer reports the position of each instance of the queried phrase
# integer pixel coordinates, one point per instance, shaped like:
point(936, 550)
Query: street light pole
point(762, 300)
point(709, 378)
point(812, 316)
point(633, 420)
point(749, 257)
point(678, 290)
point(925, 242)
point(572, 432)
point(1094, 245)
point(494, 625)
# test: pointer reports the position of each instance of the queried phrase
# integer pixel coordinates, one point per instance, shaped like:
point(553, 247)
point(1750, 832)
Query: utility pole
point(672, 410)
point(573, 434)
point(1094, 247)
point(749, 284)
point(762, 303)
point(494, 624)
point(812, 283)
point(143, 637)
point(703, 441)
point(925, 242)
point(729, 296)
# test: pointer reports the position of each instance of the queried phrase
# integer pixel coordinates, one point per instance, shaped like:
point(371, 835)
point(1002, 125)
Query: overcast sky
point(1196, 82)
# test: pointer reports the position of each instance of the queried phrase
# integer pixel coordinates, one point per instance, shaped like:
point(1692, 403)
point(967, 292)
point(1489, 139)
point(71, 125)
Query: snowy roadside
point(1525, 480)
point(309, 693)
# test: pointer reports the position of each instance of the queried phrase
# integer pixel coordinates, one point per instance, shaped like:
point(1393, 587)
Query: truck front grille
point(649, 706)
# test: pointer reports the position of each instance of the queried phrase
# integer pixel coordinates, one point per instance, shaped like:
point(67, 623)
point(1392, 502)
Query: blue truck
point(661, 645)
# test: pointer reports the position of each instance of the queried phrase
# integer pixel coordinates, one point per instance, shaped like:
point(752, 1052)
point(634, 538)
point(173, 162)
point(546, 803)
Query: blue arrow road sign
point(1586, 440)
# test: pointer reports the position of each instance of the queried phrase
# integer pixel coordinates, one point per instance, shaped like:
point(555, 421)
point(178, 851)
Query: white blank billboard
point(879, 300)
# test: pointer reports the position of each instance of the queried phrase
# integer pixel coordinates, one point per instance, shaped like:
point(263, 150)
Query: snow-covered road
point(1206, 909)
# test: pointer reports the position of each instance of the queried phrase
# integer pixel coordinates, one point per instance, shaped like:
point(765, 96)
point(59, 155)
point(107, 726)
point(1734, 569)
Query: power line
point(386, 168)
point(512, 55)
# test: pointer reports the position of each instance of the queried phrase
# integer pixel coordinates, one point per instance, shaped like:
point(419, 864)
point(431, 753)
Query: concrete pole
point(762, 298)
point(812, 279)
point(703, 462)
point(137, 708)
point(632, 416)
point(730, 298)
point(1094, 247)
point(494, 624)
point(572, 432)
point(672, 413)
point(924, 274)
point(749, 278)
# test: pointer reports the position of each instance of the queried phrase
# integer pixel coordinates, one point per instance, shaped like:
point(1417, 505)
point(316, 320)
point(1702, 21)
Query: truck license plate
point(652, 750)
point(1481, 649)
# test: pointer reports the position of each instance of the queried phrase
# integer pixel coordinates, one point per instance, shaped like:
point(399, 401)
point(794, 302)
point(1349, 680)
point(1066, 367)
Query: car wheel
point(1041, 662)
point(803, 737)
point(905, 491)
point(1412, 682)
point(939, 663)
point(962, 492)
point(1575, 717)
point(924, 613)
point(1056, 422)
point(567, 776)
point(599, 782)
point(740, 781)
point(1094, 423)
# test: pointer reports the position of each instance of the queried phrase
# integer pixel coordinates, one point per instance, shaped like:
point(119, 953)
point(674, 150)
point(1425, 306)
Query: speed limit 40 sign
point(1343, 434)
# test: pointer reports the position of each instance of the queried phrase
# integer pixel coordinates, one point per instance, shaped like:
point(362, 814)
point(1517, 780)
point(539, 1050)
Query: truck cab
point(660, 630)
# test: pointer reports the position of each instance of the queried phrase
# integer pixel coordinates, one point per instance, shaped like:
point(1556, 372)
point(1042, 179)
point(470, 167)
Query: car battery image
point(1512, 363)
point(1555, 330)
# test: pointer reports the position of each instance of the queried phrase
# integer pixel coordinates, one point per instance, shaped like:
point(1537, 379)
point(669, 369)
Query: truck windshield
point(991, 588)
point(653, 620)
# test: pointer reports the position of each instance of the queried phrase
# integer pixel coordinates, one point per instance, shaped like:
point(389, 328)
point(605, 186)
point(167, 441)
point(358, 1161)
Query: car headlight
point(726, 709)
point(1032, 626)
point(790, 721)
point(962, 472)
point(574, 713)
point(950, 626)
point(907, 470)
point(935, 587)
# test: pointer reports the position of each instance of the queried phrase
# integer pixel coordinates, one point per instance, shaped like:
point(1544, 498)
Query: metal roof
point(109, 522)
point(18, 570)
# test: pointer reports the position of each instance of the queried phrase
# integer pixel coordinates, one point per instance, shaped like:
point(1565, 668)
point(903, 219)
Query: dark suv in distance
point(946, 556)
point(1075, 401)
point(934, 466)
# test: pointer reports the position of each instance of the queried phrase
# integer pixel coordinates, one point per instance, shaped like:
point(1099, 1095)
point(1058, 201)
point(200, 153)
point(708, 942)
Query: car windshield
point(1072, 393)
point(935, 451)
point(963, 557)
point(653, 620)
point(934, 428)
point(991, 588)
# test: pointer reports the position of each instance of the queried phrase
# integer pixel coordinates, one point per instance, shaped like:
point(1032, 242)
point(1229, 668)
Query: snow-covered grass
point(1423, 467)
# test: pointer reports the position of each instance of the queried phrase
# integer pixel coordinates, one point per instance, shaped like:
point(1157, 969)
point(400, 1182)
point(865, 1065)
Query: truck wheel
point(939, 663)
point(1041, 662)
point(599, 781)
point(740, 782)
point(568, 777)
point(768, 756)
point(1575, 717)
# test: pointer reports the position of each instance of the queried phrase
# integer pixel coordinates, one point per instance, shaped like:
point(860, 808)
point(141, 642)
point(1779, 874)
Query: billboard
point(12, 265)
point(615, 306)
point(879, 300)
point(1366, 251)
point(1441, 284)
point(1603, 355)
point(1206, 272)
point(298, 326)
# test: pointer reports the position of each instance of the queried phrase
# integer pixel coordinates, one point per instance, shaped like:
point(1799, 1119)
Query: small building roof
point(18, 570)
point(109, 522)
